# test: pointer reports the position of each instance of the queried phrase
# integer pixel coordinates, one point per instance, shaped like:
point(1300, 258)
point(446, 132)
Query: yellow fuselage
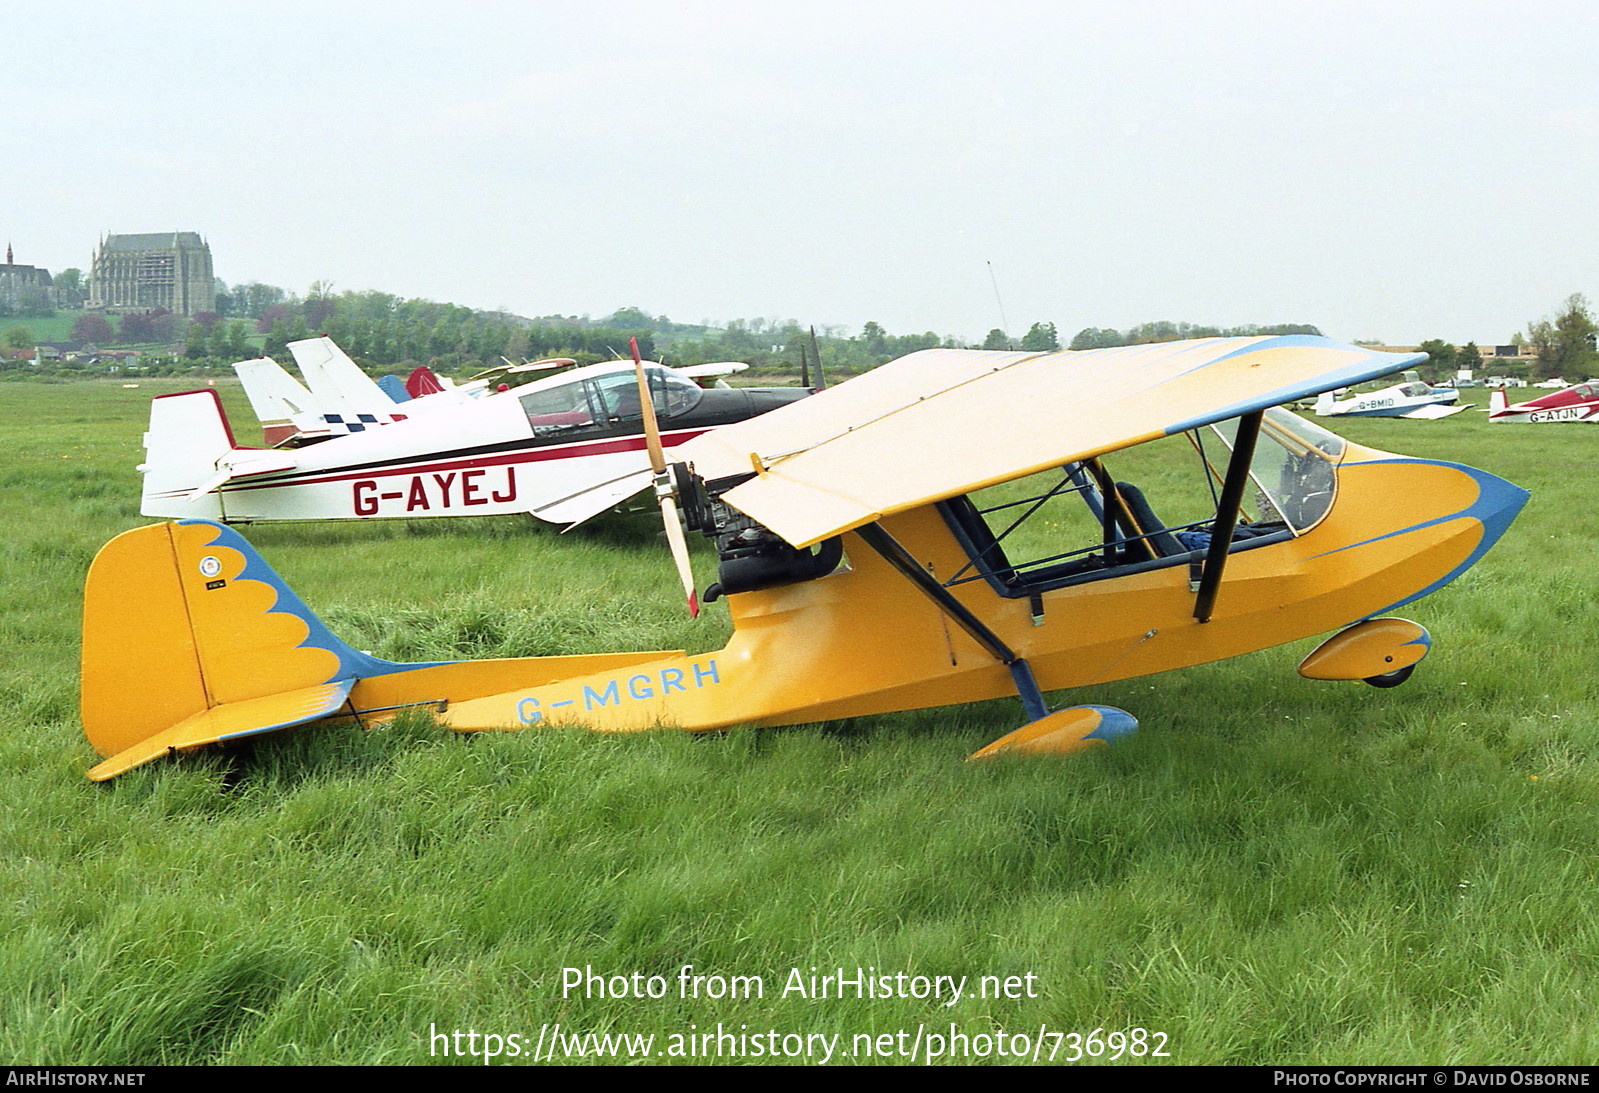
point(866, 640)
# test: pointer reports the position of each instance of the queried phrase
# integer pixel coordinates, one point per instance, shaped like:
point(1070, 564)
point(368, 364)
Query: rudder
point(188, 434)
point(189, 637)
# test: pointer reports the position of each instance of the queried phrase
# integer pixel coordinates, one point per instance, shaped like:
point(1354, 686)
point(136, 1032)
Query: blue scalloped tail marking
point(353, 664)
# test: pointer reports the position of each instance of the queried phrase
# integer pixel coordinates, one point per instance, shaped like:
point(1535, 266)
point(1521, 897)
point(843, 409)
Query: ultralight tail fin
point(1497, 403)
point(189, 638)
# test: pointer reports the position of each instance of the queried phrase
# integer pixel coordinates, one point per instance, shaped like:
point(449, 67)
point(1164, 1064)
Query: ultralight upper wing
point(944, 422)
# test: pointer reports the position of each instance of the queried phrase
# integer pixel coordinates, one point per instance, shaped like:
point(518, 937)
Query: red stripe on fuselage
point(524, 455)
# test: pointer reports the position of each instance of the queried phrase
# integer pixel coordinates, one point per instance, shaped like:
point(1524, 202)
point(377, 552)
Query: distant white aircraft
point(1410, 398)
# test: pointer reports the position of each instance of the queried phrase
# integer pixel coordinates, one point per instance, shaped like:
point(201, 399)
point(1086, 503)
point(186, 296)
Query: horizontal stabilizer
point(230, 721)
point(249, 462)
point(244, 463)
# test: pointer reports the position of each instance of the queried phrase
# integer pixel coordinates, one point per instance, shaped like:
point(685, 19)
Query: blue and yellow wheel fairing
point(1367, 650)
point(1063, 732)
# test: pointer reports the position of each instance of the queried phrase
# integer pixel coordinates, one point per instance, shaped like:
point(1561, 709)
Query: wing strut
point(1221, 530)
point(876, 537)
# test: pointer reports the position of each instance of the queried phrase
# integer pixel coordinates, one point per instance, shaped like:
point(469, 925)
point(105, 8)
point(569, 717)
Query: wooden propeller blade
point(665, 494)
point(652, 428)
point(674, 539)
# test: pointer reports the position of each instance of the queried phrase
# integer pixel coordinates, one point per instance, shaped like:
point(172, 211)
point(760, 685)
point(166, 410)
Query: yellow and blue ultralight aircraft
point(943, 529)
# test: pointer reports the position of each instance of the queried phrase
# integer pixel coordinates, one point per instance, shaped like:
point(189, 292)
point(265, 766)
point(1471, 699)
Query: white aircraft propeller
point(665, 488)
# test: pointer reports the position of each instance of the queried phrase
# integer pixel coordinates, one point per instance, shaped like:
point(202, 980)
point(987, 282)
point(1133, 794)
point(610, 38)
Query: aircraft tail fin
point(1324, 403)
point(281, 403)
point(1497, 403)
point(423, 381)
point(189, 638)
point(394, 387)
point(274, 394)
point(188, 435)
point(338, 381)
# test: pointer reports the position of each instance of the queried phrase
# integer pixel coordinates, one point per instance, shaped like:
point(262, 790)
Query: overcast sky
point(1389, 171)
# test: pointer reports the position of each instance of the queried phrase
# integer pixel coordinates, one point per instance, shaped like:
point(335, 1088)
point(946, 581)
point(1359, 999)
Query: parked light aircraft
point(1410, 398)
point(564, 447)
point(338, 398)
point(943, 529)
point(1579, 402)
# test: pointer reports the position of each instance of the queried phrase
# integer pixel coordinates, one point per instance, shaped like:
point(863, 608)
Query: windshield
point(596, 403)
point(616, 394)
point(1292, 469)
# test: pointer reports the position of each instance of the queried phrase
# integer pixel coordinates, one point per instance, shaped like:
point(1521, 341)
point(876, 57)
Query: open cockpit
point(1082, 522)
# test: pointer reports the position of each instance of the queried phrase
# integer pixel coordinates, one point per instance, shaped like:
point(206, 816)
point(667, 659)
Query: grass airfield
point(1271, 871)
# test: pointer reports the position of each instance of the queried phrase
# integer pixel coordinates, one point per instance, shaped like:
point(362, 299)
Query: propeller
point(665, 488)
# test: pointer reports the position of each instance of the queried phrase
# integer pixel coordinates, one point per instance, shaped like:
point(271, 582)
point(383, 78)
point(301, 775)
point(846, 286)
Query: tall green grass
point(1270, 871)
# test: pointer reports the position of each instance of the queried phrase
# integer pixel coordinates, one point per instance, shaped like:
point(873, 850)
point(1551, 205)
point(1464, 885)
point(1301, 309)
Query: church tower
point(158, 269)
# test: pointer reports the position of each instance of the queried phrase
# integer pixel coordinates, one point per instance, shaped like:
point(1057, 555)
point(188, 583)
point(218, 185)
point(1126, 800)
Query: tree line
point(385, 332)
point(1564, 345)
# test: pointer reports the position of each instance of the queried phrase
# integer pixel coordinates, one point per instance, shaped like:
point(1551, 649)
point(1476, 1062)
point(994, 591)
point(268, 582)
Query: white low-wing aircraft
point(1410, 398)
point(563, 448)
